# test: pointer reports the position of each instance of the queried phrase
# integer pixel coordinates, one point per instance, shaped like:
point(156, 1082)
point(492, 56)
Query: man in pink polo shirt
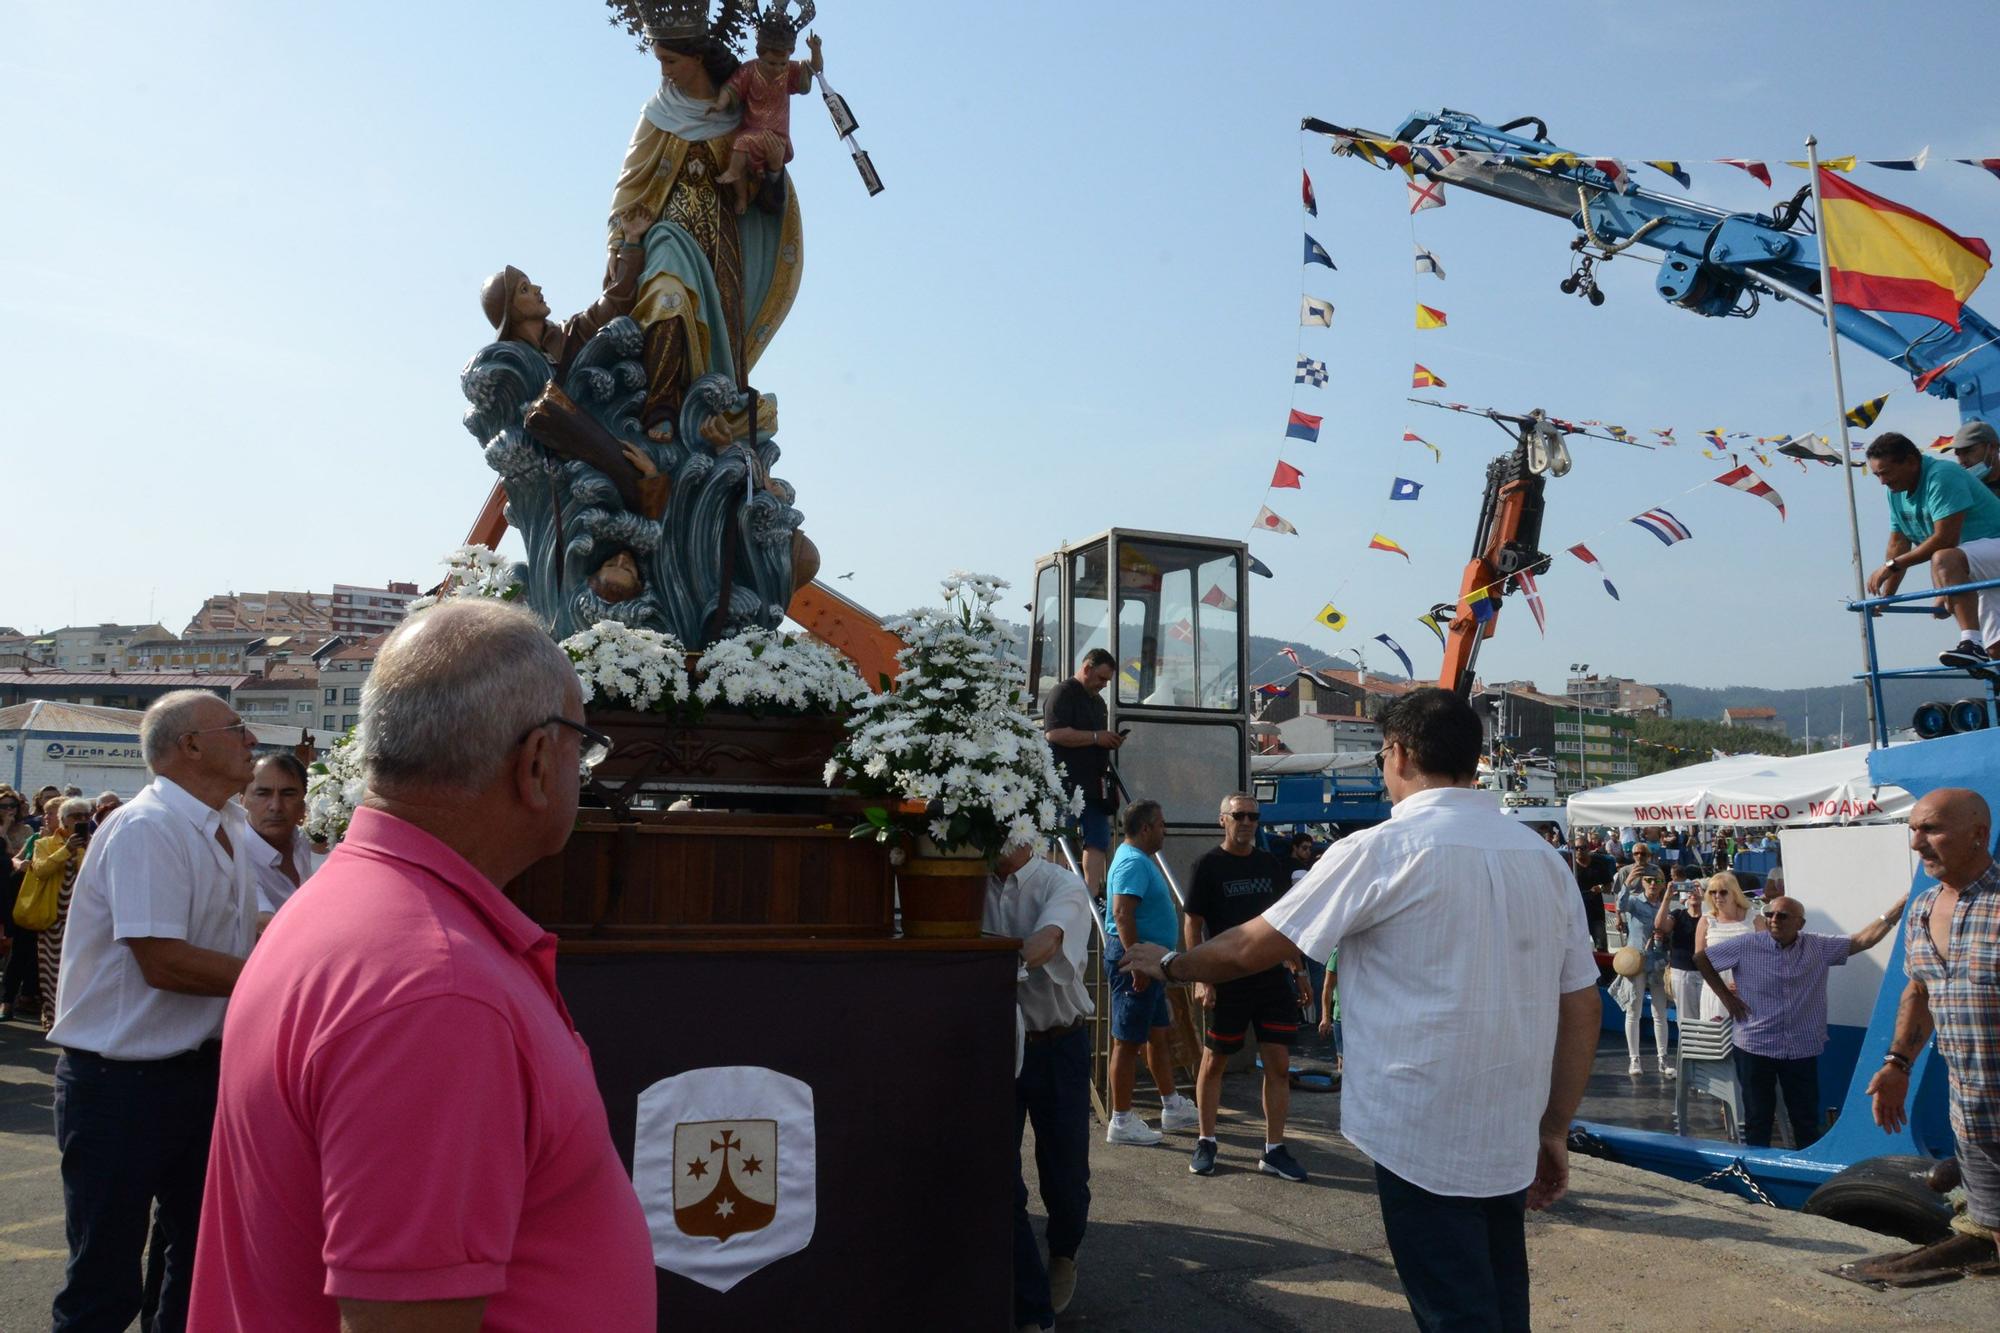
point(409, 1136)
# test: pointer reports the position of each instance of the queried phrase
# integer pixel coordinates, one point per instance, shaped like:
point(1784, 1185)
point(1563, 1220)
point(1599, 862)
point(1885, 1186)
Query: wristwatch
point(1167, 963)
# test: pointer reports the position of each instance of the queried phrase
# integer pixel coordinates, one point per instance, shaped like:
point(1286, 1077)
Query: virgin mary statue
point(715, 285)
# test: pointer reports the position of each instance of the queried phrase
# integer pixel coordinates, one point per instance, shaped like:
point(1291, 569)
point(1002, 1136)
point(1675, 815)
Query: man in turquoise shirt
point(1139, 906)
point(1941, 515)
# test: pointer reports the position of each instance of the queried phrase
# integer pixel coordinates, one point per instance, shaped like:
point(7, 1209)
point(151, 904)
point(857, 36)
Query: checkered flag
point(1310, 372)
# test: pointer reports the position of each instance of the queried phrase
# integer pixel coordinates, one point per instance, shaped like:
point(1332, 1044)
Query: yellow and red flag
point(1423, 377)
point(1429, 318)
point(1880, 255)
point(1381, 543)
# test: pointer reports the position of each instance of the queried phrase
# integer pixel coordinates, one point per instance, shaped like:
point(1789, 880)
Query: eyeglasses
point(239, 726)
point(593, 750)
point(1382, 757)
point(1240, 815)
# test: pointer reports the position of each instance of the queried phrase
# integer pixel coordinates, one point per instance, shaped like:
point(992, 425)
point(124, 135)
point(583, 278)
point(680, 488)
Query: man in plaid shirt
point(1952, 953)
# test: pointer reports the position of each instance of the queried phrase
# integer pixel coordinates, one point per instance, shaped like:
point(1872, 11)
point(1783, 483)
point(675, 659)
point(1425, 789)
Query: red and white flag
point(1743, 479)
point(1534, 595)
point(1426, 194)
point(1291, 654)
point(1267, 519)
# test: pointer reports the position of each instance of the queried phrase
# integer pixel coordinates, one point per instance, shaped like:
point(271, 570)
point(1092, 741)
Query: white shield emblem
point(724, 1164)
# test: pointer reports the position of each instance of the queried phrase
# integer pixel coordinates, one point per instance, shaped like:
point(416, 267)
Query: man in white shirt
point(275, 800)
point(160, 922)
point(1049, 910)
point(1469, 998)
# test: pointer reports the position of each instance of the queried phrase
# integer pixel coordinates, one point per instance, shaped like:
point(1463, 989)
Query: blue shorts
point(1134, 1013)
point(1096, 829)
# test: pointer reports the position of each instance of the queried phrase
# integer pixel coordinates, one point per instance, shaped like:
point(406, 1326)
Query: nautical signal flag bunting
point(1862, 417)
point(1286, 477)
point(1663, 525)
point(1380, 543)
point(1331, 618)
point(1429, 317)
point(1316, 253)
point(1315, 313)
point(1267, 519)
point(1303, 426)
point(1883, 256)
point(1402, 488)
point(1743, 479)
point(1423, 377)
point(1582, 552)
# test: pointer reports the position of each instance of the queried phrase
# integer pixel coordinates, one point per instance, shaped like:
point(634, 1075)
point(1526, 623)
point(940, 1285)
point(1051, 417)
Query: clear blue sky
point(243, 243)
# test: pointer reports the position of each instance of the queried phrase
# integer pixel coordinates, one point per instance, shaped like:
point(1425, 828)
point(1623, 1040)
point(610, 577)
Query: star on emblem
point(697, 1168)
point(725, 1208)
point(752, 1165)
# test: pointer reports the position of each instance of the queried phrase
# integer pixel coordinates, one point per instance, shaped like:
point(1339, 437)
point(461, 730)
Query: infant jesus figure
point(762, 88)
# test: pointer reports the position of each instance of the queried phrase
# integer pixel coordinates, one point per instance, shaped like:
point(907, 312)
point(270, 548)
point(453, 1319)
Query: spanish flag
point(1381, 543)
point(1423, 377)
point(1331, 618)
point(1429, 318)
point(1882, 256)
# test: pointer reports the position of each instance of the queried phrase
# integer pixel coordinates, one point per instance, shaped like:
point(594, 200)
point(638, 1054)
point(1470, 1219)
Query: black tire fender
point(1890, 1195)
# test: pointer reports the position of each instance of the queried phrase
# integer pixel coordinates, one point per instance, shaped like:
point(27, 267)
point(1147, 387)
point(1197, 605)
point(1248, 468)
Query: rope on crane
point(1611, 248)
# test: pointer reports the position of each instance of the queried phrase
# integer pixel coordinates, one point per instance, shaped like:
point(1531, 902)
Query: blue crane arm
point(1711, 261)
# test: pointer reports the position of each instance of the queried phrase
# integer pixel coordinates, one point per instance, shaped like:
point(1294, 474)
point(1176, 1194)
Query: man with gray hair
point(1977, 449)
point(409, 1135)
point(160, 920)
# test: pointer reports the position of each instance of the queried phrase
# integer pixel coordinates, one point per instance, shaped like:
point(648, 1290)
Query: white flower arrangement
point(955, 734)
point(334, 789)
point(620, 666)
point(475, 571)
point(760, 669)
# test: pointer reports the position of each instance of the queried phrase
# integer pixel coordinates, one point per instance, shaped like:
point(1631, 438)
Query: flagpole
point(1840, 415)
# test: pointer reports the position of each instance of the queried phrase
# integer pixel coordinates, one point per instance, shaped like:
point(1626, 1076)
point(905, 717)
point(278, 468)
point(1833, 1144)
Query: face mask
point(1978, 471)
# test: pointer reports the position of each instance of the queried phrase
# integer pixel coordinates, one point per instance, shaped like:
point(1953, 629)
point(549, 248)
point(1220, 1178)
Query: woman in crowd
point(64, 839)
point(18, 982)
point(1728, 916)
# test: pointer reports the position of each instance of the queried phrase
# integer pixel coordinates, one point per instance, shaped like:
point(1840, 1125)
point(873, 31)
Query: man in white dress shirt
point(160, 922)
point(1469, 997)
point(275, 800)
point(1049, 910)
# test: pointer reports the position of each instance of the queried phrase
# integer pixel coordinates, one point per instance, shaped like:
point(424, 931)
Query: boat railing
point(1900, 603)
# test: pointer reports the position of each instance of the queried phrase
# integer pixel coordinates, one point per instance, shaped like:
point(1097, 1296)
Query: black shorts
point(1268, 1006)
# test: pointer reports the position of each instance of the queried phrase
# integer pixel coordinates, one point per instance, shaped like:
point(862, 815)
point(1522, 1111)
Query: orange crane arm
point(1510, 530)
point(825, 614)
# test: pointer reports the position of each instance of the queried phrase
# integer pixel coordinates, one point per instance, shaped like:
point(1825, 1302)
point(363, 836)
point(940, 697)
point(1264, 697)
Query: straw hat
point(1628, 962)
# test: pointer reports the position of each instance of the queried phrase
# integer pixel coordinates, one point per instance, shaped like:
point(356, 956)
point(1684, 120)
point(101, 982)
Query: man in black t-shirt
point(1074, 721)
point(1593, 878)
point(1232, 884)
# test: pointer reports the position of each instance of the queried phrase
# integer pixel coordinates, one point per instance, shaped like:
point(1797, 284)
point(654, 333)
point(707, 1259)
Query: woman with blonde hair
point(1727, 915)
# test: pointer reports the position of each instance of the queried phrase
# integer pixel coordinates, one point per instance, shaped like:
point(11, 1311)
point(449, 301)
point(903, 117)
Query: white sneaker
point(1635, 1068)
point(1668, 1071)
point(1127, 1127)
point(1178, 1114)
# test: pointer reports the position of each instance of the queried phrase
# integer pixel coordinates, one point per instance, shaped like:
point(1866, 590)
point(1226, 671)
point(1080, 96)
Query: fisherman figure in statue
point(635, 455)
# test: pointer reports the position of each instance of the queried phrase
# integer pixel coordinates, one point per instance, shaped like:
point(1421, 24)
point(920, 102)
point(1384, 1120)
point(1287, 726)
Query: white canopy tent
point(1831, 787)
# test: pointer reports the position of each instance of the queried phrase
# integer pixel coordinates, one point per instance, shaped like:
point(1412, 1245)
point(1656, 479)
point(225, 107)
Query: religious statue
point(635, 454)
point(764, 88)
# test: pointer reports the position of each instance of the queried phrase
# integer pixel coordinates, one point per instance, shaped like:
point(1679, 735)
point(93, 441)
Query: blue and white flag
point(1312, 310)
point(1663, 525)
point(1428, 263)
point(1316, 254)
point(1310, 372)
point(1404, 489)
point(1401, 656)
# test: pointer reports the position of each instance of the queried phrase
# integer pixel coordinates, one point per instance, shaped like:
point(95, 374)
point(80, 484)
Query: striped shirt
point(1784, 989)
point(1964, 999)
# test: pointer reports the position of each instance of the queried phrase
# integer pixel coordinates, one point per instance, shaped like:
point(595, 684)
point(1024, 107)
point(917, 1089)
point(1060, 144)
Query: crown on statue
point(779, 21)
point(680, 20)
